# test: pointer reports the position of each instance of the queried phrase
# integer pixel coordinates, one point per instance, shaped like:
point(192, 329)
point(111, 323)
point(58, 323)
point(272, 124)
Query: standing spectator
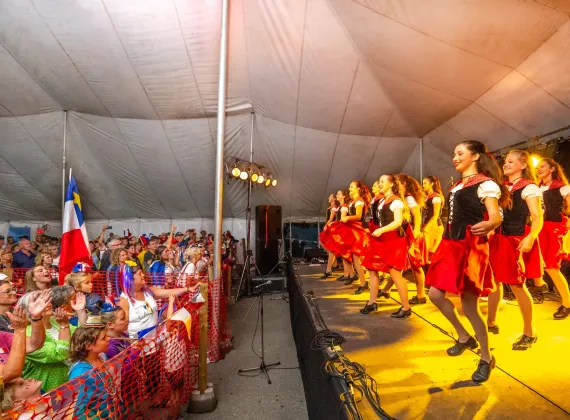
point(114, 244)
point(24, 258)
point(150, 254)
point(118, 265)
point(132, 260)
point(2, 244)
point(46, 260)
point(54, 251)
point(189, 271)
point(10, 241)
point(5, 259)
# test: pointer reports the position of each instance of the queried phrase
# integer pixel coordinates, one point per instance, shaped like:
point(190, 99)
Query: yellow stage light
point(254, 177)
point(535, 160)
point(268, 182)
point(235, 172)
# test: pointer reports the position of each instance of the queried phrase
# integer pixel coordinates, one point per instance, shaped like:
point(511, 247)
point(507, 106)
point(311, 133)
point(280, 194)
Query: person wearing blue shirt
point(24, 258)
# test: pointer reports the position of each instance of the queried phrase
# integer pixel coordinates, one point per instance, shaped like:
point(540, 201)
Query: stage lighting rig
point(249, 171)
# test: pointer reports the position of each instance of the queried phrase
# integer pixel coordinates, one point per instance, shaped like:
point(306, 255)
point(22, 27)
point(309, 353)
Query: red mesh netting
point(156, 372)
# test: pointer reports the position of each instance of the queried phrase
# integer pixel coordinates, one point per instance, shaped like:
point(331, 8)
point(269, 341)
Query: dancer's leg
point(524, 300)
point(420, 278)
point(561, 285)
point(447, 308)
point(493, 305)
point(402, 286)
point(359, 269)
point(374, 284)
point(470, 302)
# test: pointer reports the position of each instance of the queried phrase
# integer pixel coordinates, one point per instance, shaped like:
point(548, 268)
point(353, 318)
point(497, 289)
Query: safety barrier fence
point(154, 373)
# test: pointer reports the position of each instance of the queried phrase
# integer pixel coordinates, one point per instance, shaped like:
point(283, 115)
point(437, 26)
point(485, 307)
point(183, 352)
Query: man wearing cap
point(24, 258)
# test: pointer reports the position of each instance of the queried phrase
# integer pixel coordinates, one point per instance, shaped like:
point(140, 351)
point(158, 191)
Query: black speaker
point(268, 236)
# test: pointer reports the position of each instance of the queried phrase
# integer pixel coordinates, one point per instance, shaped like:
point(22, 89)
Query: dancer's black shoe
point(458, 348)
point(385, 295)
point(326, 275)
point(494, 329)
point(401, 313)
point(483, 371)
point(417, 301)
point(361, 289)
point(350, 280)
point(562, 312)
point(525, 342)
point(369, 308)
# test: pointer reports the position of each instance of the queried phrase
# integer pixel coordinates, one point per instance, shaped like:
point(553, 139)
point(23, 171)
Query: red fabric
point(507, 263)
point(345, 239)
point(73, 251)
point(460, 265)
point(388, 251)
point(417, 250)
point(372, 226)
point(551, 243)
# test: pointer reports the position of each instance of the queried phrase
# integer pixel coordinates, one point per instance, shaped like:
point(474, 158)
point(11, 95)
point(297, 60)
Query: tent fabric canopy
point(341, 90)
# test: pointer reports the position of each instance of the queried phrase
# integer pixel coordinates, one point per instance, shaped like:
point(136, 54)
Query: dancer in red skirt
point(556, 199)
point(373, 223)
point(332, 210)
point(387, 250)
point(461, 263)
point(515, 254)
point(356, 214)
point(333, 240)
point(417, 251)
point(432, 225)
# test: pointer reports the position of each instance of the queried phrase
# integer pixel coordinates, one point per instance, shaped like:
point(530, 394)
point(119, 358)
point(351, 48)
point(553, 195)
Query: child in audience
point(97, 394)
point(82, 282)
point(19, 391)
point(115, 319)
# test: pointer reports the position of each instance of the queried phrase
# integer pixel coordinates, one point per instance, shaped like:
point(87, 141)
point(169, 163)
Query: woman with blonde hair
point(190, 271)
point(38, 278)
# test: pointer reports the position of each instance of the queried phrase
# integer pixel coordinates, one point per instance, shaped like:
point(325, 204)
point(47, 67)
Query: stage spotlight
point(260, 179)
point(268, 181)
point(235, 172)
point(244, 175)
point(274, 182)
point(254, 177)
point(535, 160)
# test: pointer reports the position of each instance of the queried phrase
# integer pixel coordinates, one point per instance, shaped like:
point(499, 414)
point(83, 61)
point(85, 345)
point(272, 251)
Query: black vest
point(374, 212)
point(386, 216)
point(428, 212)
point(328, 214)
point(516, 218)
point(352, 212)
point(338, 213)
point(465, 209)
point(553, 204)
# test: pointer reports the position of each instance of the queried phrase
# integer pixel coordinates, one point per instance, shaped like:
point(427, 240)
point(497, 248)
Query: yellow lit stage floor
point(416, 378)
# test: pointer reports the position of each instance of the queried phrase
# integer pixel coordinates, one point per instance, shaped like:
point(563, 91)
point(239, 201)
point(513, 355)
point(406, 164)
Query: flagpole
point(64, 162)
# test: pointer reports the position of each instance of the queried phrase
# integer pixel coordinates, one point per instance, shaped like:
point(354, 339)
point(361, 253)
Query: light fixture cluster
point(250, 171)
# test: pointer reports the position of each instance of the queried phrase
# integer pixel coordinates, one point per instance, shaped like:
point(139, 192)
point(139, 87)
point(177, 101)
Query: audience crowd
point(48, 335)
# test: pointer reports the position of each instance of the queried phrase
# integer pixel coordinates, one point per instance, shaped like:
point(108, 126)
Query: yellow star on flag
point(77, 200)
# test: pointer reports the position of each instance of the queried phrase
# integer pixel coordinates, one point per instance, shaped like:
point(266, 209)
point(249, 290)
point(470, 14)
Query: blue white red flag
point(74, 241)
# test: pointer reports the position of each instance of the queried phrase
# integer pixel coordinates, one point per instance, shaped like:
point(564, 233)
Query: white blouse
point(411, 201)
point(485, 190)
point(564, 190)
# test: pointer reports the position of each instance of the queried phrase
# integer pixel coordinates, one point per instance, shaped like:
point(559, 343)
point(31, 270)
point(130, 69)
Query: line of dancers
point(503, 227)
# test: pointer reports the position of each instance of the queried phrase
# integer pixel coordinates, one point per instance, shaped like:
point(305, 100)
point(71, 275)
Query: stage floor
point(416, 378)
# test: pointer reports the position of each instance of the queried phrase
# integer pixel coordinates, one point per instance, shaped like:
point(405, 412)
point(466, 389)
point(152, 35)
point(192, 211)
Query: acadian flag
point(74, 241)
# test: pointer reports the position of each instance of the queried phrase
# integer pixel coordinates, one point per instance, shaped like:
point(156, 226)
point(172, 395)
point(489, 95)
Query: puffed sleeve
point(565, 190)
point(437, 200)
point(411, 201)
point(396, 204)
point(488, 189)
point(530, 191)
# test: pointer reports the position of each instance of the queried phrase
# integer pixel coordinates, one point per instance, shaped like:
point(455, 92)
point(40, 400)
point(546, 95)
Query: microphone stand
point(263, 367)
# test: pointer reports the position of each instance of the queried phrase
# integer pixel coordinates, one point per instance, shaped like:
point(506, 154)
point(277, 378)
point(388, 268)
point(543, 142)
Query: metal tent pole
point(421, 159)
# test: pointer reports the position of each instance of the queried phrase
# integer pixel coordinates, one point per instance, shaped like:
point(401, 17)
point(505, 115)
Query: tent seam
point(297, 105)
point(247, 52)
point(378, 142)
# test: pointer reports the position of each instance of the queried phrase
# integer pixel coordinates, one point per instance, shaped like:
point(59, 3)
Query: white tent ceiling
point(341, 89)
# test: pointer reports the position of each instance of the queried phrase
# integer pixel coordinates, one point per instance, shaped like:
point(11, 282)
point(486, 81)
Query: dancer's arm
point(486, 226)
point(417, 220)
point(358, 216)
point(436, 214)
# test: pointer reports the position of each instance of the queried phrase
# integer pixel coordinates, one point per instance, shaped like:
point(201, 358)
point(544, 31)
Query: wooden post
point(203, 344)
point(229, 281)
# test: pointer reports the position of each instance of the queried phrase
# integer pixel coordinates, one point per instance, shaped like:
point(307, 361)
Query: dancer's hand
point(377, 232)
point(526, 244)
point(482, 228)
point(344, 219)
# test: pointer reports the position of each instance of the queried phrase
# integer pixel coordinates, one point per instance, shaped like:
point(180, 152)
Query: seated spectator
point(97, 392)
point(38, 278)
point(24, 258)
point(82, 282)
point(46, 260)
point(49, 363)
point(138, 301)
point(15, 345)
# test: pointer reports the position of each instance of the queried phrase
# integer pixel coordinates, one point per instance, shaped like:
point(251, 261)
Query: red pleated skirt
point(345, 239)
point(417, 250)
point(386, 252)
point(551, 239)
point(432, 238)
point(509, 265)
point(462, 265)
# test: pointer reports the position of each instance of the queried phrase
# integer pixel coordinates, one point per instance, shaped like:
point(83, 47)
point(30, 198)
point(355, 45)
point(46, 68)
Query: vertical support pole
point(63, 163)
point(421, 159)
point(247, 266)
point(291, 238)
point(203, 344)
point(318, 231)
